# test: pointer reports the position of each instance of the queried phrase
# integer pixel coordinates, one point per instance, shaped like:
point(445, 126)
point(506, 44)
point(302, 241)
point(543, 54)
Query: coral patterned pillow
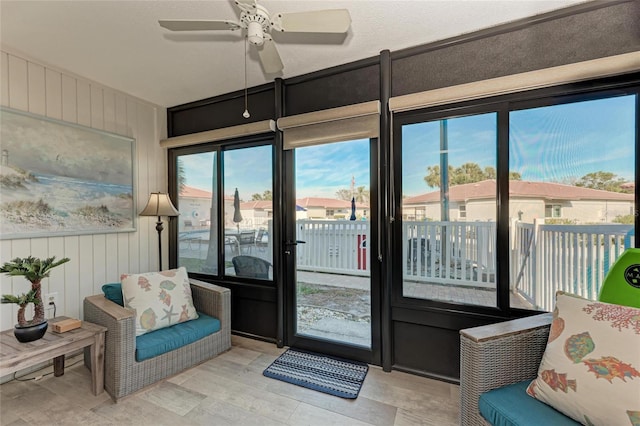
point(590, 369)
point(160, 299)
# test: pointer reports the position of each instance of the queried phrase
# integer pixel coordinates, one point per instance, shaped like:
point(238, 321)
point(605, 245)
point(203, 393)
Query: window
point(449, 165)
point(197, 230)
point(223, 220)
point(248, 189)
point(552, 210)
point(581, 155)
point(462, 211)
point(566, 165)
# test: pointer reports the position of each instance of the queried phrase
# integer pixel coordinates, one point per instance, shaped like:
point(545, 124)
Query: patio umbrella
point(237, 217)
point(353, 209)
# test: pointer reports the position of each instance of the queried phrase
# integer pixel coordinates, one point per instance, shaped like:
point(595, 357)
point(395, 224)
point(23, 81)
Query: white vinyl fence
point(458, 253)
point(571, 258)
point(334, 246)
point(544, 258)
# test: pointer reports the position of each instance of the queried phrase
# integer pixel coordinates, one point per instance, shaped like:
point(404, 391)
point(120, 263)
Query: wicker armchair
point(497, 355)
point(123, 374)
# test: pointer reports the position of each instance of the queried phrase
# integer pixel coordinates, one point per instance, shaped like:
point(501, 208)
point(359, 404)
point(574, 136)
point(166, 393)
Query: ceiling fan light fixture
point(255, 35)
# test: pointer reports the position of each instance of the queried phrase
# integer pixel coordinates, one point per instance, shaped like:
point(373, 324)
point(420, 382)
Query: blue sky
point(321, 170)
point(554, 144)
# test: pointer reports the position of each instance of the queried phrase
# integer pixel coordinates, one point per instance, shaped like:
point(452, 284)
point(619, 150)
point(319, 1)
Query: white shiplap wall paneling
point(71, 278)
point(131, 131)
point(85, 267)
point(56, 282)
point(148, 237)
point(109, 106)
point(27, 85)
point(7, 315)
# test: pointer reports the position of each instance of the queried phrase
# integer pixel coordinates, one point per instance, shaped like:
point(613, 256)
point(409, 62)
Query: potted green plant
point(34, 270)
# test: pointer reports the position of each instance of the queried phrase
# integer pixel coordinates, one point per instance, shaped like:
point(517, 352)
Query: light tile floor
point(231, 390)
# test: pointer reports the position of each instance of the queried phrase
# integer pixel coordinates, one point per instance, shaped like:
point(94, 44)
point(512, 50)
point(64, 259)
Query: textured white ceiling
point(120, 44)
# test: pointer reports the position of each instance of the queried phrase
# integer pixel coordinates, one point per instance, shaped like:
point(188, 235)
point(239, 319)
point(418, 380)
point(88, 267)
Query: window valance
point(331, 125)
point(220, 134)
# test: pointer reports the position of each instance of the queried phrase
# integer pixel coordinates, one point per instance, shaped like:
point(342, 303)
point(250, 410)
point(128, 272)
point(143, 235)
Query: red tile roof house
point(256, 214)
point(535, 200)
point(195, 208)
point(329, 208)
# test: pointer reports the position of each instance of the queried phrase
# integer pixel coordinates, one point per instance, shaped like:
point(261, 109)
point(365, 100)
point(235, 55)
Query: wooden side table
point(16, 356)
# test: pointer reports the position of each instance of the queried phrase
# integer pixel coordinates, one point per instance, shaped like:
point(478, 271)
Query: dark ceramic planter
point(31, 332)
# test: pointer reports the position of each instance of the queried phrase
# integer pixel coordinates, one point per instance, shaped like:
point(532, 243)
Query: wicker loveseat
point(123, 374)
point(497, 355)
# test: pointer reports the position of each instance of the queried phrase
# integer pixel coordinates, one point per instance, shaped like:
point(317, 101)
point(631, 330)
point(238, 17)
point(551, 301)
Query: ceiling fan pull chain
point(245, 114)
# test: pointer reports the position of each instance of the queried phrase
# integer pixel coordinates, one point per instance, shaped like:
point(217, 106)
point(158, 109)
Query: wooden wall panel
point(27, 85)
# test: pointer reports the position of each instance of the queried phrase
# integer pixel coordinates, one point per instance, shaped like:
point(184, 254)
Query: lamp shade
point(159, 204)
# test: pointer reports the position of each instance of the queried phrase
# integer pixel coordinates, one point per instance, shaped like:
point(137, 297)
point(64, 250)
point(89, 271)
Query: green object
point(622, 283)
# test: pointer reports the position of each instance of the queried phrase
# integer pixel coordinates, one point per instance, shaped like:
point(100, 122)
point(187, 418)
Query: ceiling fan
point(258, 23)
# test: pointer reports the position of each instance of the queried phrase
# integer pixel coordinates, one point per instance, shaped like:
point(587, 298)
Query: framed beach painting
point(58, 178)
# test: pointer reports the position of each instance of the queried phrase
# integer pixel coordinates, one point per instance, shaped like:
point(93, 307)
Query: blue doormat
point(319, 372)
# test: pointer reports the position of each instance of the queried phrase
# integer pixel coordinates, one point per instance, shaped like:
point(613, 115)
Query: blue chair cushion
point(511, 405)
point(167, 339)
point(113, 292)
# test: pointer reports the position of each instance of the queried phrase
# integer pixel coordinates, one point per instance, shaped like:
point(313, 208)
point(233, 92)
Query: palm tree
point(34, 270)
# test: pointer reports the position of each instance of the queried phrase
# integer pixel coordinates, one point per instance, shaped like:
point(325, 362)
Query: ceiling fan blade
point(269, 56)
point(246, 5)
point(196, 25)
point(319, 21)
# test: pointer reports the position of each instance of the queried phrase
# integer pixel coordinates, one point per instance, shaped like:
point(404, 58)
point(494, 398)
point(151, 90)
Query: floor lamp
point(159, 205)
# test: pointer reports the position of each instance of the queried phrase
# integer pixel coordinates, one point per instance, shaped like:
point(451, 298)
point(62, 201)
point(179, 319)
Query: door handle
point(291, 244)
